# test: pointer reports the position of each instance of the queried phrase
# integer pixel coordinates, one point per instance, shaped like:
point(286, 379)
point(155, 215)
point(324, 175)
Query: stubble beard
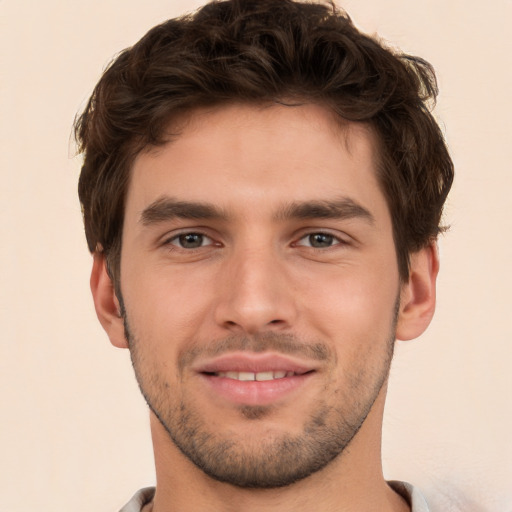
point(275, 459)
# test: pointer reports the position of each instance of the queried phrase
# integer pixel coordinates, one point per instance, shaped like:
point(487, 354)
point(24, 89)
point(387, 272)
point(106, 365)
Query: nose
point(256, 294)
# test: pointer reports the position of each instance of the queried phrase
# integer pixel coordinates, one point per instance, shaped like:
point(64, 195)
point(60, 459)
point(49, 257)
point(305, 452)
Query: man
point(262, 191)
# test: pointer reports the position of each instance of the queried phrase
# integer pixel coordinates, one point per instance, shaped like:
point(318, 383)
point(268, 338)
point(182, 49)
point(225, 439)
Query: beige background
point(74, 431)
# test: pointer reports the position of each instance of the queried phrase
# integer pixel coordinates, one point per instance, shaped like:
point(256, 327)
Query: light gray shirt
point(410, 493)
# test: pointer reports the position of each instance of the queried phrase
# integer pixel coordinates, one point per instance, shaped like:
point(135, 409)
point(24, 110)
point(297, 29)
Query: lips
point(243, 362)
point(254, 379)
point(260, 376)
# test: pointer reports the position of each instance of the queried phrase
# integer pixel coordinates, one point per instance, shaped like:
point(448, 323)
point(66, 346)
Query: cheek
point(166, 306)
point(354, 306)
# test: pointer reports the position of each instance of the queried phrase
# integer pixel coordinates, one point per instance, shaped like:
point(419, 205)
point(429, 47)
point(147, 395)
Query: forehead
point(253, 156)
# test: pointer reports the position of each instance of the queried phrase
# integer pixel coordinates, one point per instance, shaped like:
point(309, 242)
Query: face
point(259, 289)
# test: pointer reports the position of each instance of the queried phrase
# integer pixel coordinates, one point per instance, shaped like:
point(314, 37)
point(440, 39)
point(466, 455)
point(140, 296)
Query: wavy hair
point(262, 51)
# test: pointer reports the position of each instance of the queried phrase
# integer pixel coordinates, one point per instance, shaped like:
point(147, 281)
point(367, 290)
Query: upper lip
point(253, 362)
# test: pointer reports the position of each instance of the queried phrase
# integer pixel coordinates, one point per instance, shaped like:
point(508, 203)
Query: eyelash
point(335, 240)
point(170, 241)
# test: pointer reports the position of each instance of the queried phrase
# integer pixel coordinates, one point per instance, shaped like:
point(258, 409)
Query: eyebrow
point(167, 208)
point(343, 208)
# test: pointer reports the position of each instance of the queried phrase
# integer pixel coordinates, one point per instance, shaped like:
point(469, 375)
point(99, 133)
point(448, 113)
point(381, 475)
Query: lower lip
point(255, 392)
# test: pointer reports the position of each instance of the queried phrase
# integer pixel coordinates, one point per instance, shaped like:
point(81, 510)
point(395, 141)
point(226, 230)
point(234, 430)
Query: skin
point(257, 275)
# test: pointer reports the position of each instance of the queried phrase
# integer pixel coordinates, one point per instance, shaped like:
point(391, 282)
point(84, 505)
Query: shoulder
point(411, 494)
point(408, 491)
point(139, 499)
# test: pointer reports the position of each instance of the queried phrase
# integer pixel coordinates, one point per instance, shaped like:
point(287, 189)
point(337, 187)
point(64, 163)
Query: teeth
point(260, 376)
point(265, 376)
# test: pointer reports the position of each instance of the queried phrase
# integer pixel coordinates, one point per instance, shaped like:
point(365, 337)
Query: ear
point(105, 302)
point(418, 294)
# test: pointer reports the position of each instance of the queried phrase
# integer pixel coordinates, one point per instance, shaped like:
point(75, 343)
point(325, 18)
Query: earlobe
point(106, 303)
point(418, 295)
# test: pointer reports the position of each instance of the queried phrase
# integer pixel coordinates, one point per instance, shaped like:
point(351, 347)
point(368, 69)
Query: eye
point(319, 240)
point(191, 240)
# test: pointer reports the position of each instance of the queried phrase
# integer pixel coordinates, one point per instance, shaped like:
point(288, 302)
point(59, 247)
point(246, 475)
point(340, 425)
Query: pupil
point(320, 240)
point(191, 240)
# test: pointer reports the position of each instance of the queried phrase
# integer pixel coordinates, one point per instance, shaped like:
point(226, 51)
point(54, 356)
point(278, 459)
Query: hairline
point(180, 120)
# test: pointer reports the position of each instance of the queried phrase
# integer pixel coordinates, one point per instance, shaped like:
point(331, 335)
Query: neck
point(351, 482)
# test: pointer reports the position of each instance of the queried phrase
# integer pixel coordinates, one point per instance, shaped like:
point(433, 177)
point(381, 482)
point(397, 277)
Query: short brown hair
point(261, 51)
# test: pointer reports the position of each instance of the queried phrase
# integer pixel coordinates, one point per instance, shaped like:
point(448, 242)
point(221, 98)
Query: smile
point(260, 376)
point(254, 379)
